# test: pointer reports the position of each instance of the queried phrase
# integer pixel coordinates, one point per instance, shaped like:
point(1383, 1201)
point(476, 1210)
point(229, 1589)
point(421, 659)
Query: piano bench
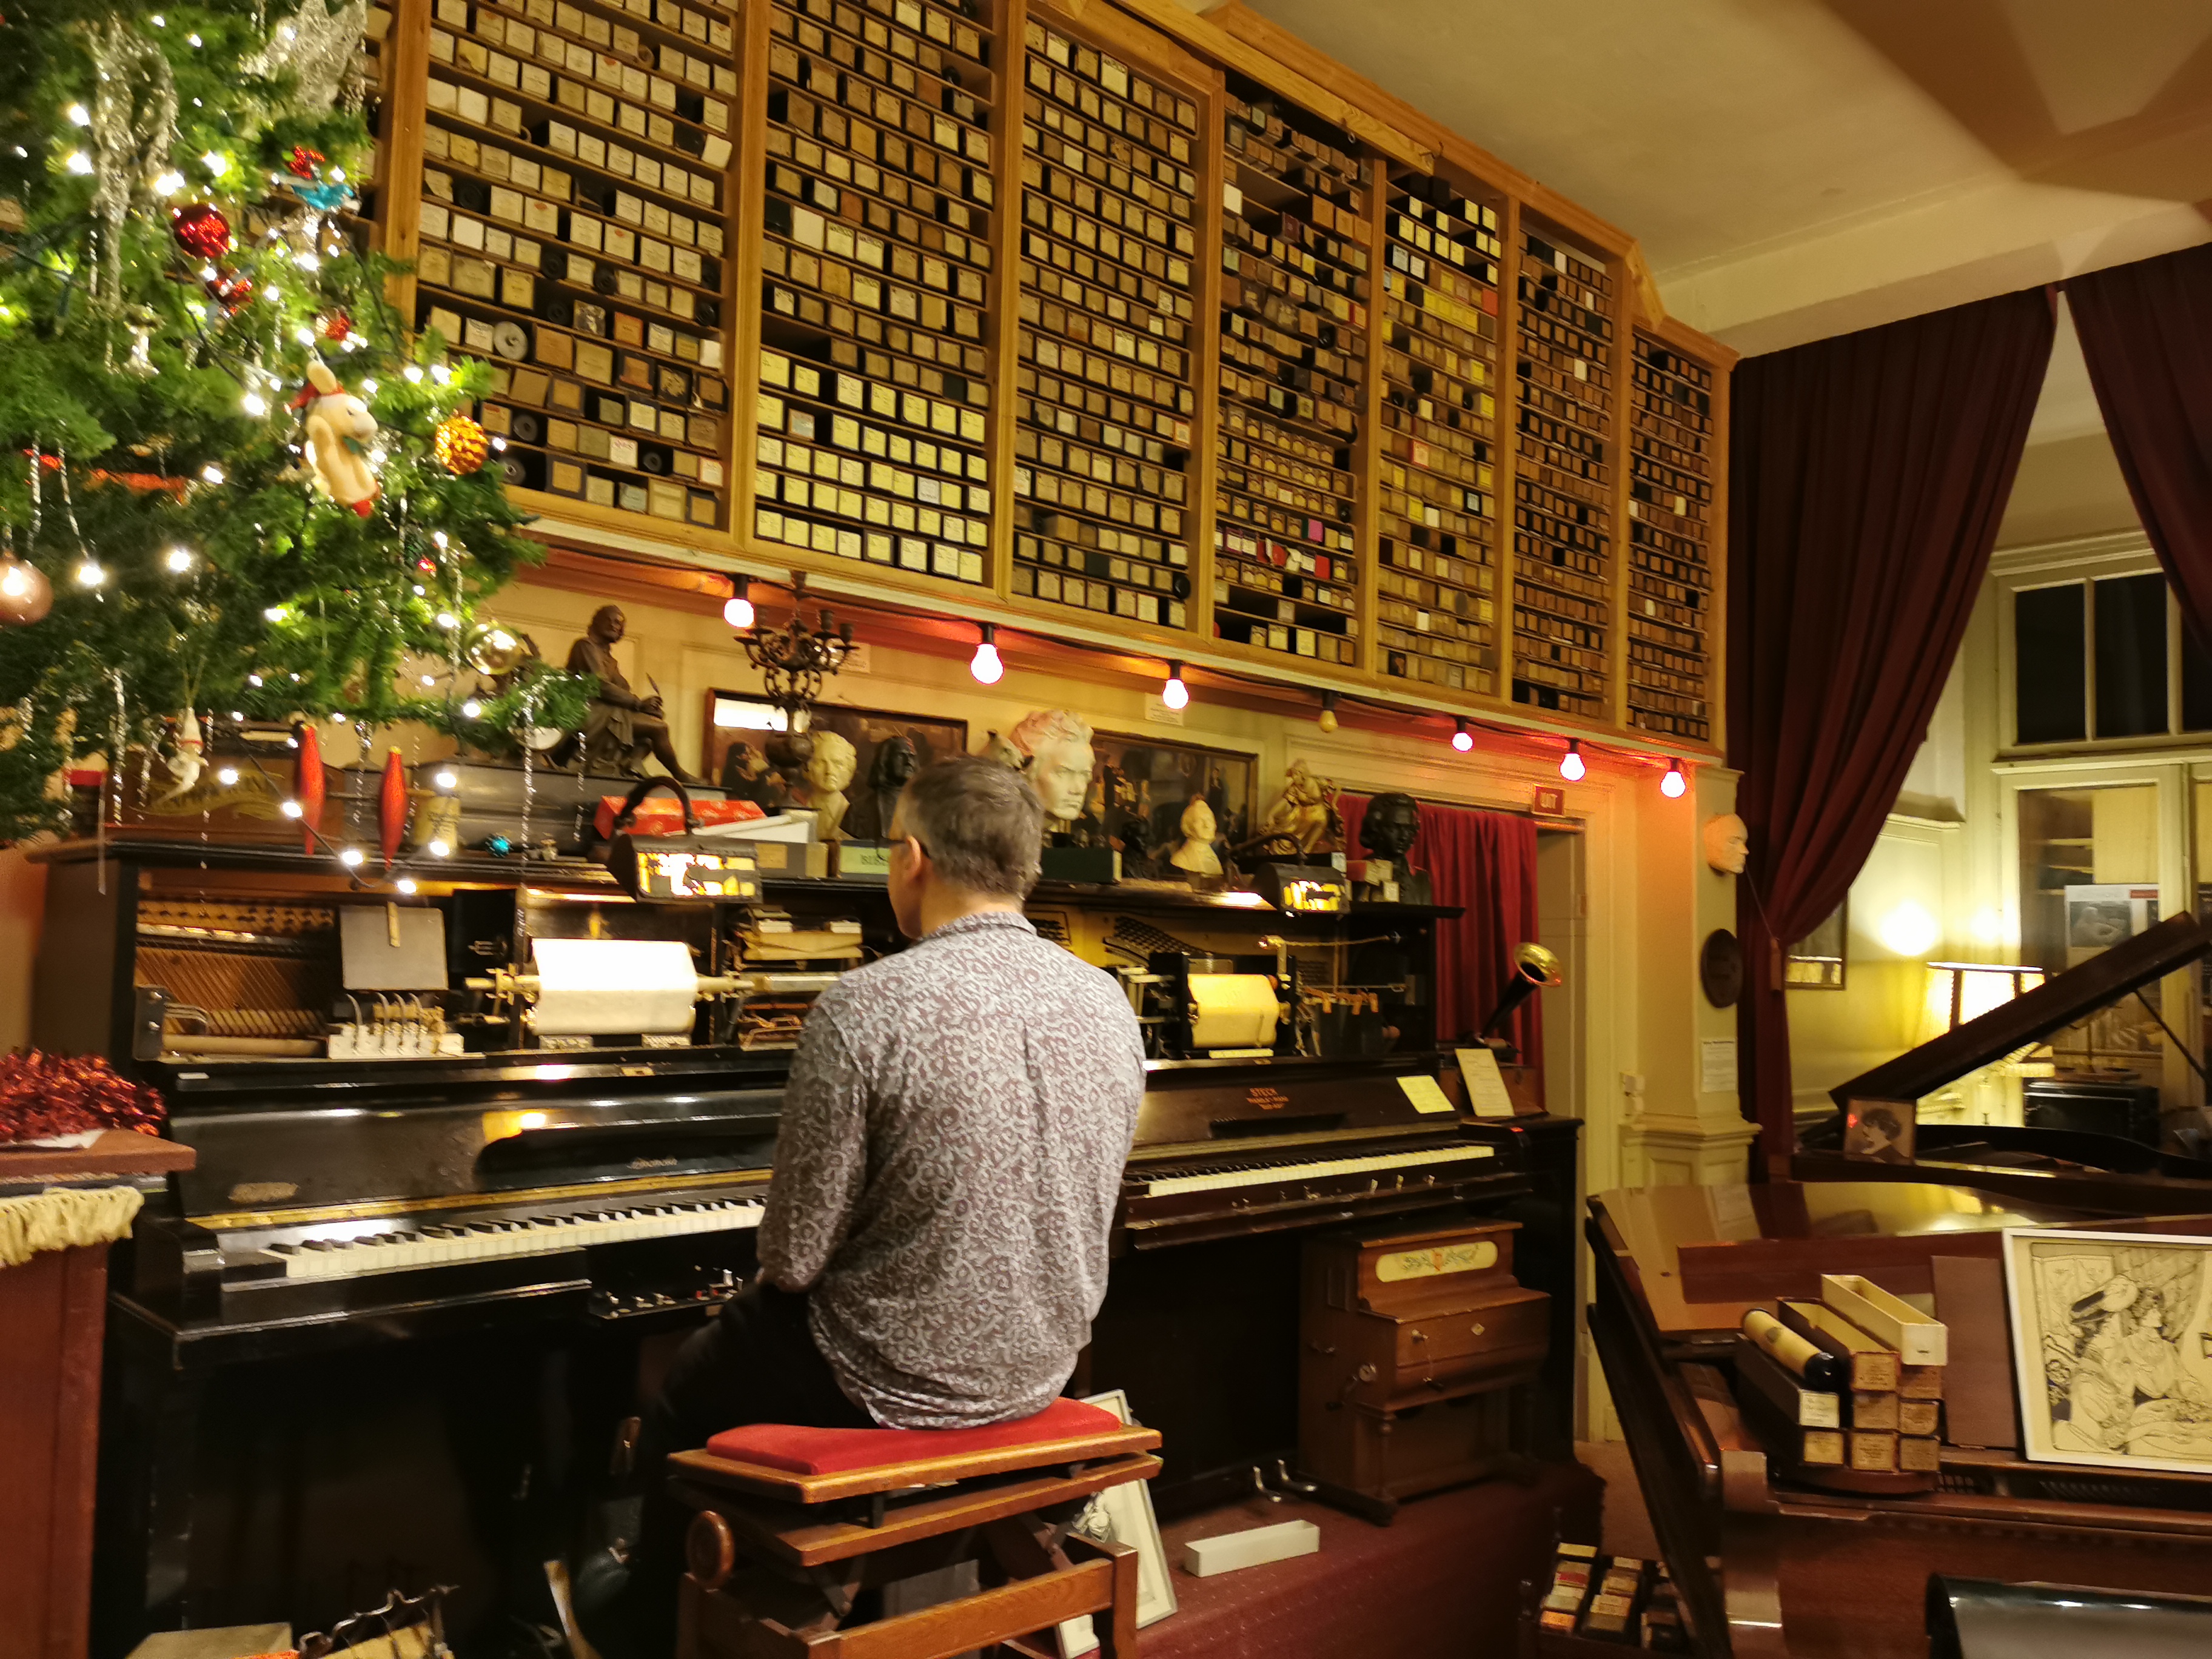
point(905, 1543)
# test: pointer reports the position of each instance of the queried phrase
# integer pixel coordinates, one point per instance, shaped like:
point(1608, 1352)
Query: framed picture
point(879, 765)
point(1816, 962)
point(1882, 1130)
point(1123, 1515)
point(1152, 781)
point(2111, 1341)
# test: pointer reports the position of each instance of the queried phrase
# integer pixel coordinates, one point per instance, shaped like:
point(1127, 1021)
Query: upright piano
point(1770, 1567)
point(388, 1327)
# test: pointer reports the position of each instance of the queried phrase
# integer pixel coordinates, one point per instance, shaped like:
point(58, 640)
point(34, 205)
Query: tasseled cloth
point(63, 1217)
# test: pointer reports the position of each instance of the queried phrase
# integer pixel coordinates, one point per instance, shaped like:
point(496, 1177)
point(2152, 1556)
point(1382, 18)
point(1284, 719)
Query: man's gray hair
point(981, 823)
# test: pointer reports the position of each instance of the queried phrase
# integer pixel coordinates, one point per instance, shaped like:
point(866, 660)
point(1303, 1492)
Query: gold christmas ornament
point(460, 445)
point(493, 650)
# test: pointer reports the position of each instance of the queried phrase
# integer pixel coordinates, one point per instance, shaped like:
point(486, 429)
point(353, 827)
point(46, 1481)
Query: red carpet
point(1443, 1578)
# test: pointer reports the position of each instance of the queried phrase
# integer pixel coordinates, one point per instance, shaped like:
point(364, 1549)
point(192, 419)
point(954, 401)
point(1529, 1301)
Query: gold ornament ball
point(493, 650)
point(460, 444)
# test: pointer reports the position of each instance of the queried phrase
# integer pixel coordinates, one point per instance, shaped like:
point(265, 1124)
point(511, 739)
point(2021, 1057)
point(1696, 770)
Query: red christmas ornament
point(304, 161)
point(336, 327)
point(202, 230)
point(392, 805)
point(45, 1095)
point(307, 785)
point(427, 565)
point(232, 291)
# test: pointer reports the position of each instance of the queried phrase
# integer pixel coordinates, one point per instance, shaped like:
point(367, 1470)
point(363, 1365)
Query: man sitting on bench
point(948, 1158)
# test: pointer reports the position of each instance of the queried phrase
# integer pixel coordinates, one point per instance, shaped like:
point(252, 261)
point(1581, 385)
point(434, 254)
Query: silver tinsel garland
point(321, 49)
point(133, 129)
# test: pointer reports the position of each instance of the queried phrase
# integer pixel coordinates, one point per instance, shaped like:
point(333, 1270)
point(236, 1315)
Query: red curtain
point(1867, 476)
point(1486, 862)
point(2147, 331)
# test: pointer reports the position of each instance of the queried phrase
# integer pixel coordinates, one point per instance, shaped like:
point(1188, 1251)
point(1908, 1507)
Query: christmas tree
point(232, 487)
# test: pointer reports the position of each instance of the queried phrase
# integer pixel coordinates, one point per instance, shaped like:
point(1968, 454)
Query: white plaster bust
point(1194, 852)
point(829, 769)
point(1728, 843)
point(1060, 762)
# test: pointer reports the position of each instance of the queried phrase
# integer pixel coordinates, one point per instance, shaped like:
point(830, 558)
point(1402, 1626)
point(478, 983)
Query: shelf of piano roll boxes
point(1844, 1392)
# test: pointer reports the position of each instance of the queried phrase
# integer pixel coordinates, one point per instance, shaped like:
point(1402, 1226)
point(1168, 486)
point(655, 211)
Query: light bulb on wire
point(985, 665)
point(1461, 739)
point(1326, 719)
point(1570, 763)
point(737, 608)
point(1175, 694)
point(1675, 785)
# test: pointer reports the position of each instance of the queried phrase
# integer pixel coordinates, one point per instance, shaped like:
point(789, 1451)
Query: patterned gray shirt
point(951, 1151)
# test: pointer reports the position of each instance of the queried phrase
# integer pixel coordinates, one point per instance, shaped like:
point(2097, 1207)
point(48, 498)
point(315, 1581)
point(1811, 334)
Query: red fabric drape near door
point(2147, 332)
point(1487, 863)
point(1867, 476)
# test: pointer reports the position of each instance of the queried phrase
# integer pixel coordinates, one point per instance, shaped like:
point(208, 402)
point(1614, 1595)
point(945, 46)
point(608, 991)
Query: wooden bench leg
point(1116, 1626)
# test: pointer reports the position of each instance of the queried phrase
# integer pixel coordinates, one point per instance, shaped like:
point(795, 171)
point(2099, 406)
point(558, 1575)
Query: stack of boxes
point(1853, 1381)
point(1611, 1598)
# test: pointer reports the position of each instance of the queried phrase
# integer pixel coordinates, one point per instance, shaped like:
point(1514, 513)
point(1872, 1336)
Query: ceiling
point(1799, 168)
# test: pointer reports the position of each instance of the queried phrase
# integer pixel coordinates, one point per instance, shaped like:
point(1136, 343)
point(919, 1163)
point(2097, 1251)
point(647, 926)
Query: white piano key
point(1275, 1174)
point(437, 1244)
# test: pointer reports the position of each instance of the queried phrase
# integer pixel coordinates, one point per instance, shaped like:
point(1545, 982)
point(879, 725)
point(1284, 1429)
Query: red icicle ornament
point(307, 786)
point(391, 807)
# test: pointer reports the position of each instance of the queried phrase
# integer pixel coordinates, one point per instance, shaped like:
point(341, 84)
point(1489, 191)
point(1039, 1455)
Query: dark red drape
point(2147, 331)
point(1486, 862)
point(1867, 476)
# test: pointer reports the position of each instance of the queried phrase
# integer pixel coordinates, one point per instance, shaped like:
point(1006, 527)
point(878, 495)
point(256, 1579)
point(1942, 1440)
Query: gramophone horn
point(1537, 965)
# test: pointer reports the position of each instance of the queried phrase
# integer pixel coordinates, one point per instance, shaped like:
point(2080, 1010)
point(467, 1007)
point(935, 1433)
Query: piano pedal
point(1261, 1487)
point(1286, 1482)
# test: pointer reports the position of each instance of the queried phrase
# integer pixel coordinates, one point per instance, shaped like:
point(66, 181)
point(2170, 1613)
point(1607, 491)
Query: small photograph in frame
point(889, 748)
point(1880, 1130)
point(1816, 962)
point(2112, 1338)
point(1123, 1515)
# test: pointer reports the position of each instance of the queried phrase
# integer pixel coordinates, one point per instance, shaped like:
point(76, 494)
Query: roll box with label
point(1670, 514)
point(1407, 1345)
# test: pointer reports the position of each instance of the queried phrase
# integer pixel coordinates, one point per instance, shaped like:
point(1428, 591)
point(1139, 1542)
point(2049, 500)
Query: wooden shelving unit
point(1109, 318)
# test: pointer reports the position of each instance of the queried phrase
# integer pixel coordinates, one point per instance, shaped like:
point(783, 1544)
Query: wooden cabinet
point(1410, 1343)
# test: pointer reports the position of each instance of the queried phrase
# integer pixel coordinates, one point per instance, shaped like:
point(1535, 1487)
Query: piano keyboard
point(1260, 1174)
point(365, 1252)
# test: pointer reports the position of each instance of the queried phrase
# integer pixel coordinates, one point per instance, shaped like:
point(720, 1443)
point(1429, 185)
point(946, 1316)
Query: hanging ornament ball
point(337, 327)
point(460, 445)
point(201, 230)
point(426, 566)
point(493, 650)
point(304, 161)
point(26, 595)
point(233, 290)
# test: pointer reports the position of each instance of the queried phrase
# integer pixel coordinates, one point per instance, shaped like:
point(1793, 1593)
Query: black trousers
point(756, 1362)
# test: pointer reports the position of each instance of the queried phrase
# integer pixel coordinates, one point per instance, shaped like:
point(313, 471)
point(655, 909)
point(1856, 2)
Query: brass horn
point(1533, 968)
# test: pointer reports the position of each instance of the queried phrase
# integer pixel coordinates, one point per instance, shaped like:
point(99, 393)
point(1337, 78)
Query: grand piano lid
point(2051, 1006)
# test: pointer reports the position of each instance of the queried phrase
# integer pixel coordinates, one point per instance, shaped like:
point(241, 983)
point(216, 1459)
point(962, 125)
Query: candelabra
point(794, 660)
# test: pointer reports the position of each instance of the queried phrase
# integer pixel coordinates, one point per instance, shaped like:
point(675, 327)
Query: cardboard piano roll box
point(1407, 1342)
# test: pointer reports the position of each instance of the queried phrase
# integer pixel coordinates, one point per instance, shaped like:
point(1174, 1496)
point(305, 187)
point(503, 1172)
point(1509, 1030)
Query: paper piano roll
point(613, 986)
point(1233, 1011)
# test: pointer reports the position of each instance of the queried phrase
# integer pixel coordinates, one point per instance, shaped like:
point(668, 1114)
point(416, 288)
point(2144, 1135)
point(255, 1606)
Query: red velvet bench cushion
point(801, 1450)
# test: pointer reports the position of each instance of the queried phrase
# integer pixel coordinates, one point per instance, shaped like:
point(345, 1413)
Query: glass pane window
point(2050, 664)
point(2131, 614)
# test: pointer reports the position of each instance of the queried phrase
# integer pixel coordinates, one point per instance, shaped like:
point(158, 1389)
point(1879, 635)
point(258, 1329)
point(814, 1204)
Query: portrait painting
point(2113, 1346)
point(743, 734)
point(1142, 786)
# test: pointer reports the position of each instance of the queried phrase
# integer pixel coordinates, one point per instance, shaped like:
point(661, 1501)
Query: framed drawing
point(1123, 1515)
point(887, 748)
point(1816, 962)
point(2112, 1340)
point(1152, 781)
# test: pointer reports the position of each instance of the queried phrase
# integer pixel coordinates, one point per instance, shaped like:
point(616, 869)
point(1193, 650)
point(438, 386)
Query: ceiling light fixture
point(1175, 694)
point(1461, 739)
point(1675, 785)
point(985, 665)
point(1572, 767)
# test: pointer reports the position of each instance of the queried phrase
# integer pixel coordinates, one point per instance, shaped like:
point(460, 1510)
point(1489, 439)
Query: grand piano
point(385, 1330)
point(1769, 1566)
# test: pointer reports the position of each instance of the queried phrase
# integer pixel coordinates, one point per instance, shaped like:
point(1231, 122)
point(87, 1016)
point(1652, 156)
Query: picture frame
point(1151, 781)
point(1880, 1131)
point(1123, 1515)
point(2111, 1336)
point(734, 717)
point(1817, 962)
